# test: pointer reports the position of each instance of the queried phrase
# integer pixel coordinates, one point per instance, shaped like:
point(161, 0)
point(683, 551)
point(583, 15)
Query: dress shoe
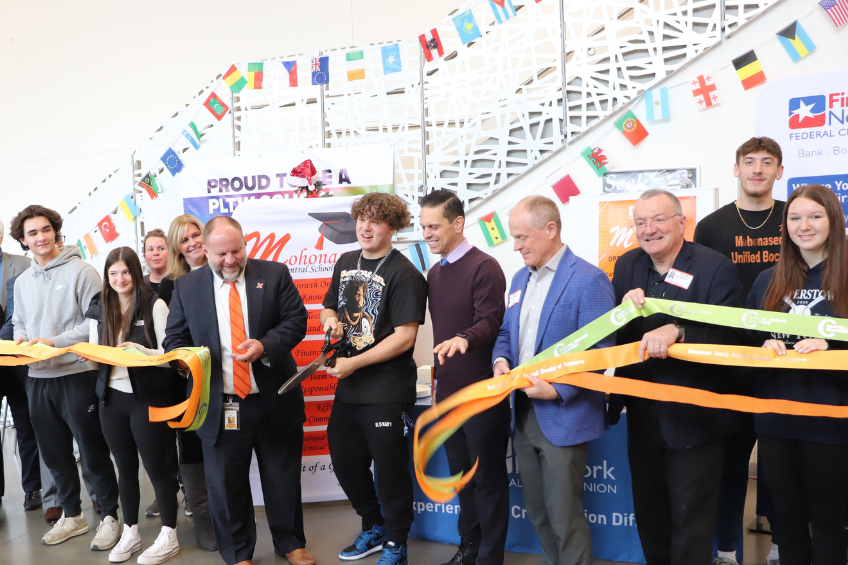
point(52, 514)
point(300, 557)
point(32, 500)
point(465, 555)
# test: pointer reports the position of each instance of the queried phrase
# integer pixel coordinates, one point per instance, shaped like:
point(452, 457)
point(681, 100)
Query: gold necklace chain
point(738, 211)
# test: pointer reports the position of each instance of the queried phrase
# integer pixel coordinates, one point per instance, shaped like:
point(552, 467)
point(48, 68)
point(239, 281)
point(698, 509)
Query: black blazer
point(276, 317)
point(715, 281)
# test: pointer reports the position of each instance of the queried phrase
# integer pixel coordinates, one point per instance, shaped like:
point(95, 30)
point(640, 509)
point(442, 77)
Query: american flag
point(837, 10)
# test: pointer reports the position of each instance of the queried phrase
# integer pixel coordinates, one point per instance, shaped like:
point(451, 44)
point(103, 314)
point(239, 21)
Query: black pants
point(129, 431)
point(734, 483)
point(675, 491)
point(12, 387)
point(359, 434)
point(63, 409)
point(807, 481)
point(227, 465)
point(484, 502)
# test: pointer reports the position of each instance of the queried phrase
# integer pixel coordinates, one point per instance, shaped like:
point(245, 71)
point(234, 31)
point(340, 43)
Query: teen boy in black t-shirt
point(377, 300)
point(748, 231)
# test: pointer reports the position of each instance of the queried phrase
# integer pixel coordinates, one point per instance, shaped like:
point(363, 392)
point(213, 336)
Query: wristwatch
point(681, 331)
point(463, 336)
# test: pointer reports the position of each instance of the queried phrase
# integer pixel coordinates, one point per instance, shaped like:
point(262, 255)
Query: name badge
point(679, 278)
point(231, 416)
point(140, 323)
point(513, 299)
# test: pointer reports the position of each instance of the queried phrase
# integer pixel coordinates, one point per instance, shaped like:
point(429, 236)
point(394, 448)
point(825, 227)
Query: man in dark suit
point(555, 296)
point(13, 389)
point(250, 316)
point(675, 450)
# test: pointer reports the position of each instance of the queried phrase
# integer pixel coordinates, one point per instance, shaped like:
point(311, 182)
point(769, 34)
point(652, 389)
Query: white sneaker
point(66, 528)
point(108, 533)
point(129, 543)
point(165, 547)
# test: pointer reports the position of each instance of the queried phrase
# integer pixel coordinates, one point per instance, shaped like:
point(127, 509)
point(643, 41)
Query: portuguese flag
point(492, 229)
point(631, 127)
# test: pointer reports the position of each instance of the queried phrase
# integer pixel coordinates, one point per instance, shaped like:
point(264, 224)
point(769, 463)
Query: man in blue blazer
point(675, 450)
point(246, 414)
point(555, 296)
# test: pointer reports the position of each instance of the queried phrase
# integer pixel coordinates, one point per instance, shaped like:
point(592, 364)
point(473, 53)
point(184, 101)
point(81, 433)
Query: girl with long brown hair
point(127, 313)
point(805, 459)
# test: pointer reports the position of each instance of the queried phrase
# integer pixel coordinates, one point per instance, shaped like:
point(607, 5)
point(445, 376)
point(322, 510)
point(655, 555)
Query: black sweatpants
point(359, 434)
point(675, 491)
point(129, 431)
point(484, 502)
point(807, 482)
point(63, 409)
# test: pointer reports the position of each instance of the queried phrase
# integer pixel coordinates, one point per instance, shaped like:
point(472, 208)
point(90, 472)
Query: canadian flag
point(430, 44)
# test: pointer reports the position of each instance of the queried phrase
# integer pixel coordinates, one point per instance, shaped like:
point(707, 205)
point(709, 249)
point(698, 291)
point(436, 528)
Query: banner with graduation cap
point(338, 227)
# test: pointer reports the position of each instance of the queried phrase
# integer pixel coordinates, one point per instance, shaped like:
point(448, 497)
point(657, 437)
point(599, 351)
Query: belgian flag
point(749, 70)
point(796, 41)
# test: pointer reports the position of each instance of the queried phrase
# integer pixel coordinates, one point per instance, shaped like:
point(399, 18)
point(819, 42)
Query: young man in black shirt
point(380, 318)
point(748, 231)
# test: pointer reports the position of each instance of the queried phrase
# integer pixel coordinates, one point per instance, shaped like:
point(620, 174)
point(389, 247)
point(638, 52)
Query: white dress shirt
point(222, 307)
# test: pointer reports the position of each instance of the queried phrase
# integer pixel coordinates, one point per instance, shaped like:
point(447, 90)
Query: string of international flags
point(705, 95)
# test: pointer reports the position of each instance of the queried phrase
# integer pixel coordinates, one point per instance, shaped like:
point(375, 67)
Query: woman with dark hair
point(806, 459)
point(126, 313)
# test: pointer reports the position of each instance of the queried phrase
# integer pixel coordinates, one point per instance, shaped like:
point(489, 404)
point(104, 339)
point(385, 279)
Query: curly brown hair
point(16, 230)
point(383, 207)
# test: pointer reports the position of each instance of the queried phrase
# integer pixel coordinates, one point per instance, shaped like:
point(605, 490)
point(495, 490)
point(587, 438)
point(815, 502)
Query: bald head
point(540, 211)
point(218, 223)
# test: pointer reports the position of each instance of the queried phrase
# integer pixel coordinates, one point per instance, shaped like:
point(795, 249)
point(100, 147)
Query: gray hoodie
point(51, 302)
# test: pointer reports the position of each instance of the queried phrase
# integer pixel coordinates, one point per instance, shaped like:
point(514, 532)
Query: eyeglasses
point(658, 222)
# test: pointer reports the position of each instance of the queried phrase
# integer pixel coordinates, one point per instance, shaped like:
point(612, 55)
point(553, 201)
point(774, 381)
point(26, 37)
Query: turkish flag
point(107, 229)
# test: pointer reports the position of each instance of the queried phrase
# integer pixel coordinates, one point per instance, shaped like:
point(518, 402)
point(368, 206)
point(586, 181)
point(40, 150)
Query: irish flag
point(355, 65)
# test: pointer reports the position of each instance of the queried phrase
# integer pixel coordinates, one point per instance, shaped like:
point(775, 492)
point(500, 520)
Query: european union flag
point(391, 59)
point(172, 162)
point(466, 27)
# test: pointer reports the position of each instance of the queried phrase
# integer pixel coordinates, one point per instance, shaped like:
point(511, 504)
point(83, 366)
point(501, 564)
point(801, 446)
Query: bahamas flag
point(466, 27)
point(492, 229)
point(796, 41)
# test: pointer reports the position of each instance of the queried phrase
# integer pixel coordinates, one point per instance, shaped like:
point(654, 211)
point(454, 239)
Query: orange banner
point(315, 443)
point(318, 412)
point(616, 234)
point(313, 290)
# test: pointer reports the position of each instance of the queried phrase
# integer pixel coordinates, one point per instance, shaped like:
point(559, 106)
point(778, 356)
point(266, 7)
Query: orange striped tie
point(241, 372)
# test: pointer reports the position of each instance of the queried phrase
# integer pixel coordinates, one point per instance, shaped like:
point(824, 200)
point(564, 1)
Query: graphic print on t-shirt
point(805, 302)
point(359, 301)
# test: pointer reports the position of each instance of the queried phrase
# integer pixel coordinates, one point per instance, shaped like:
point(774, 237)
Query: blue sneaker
point(365, 543)
point(393, 554)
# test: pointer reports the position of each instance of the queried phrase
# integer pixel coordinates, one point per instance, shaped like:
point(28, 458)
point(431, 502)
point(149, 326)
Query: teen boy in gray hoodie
point(51, 298)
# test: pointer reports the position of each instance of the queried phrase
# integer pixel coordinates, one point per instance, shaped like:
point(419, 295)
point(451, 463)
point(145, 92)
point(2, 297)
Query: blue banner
point(607, 502)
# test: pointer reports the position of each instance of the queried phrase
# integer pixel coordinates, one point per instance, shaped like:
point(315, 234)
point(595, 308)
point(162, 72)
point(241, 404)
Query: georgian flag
point(431, 44)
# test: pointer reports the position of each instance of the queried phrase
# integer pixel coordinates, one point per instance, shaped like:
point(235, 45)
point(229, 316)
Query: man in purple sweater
point(466, 296)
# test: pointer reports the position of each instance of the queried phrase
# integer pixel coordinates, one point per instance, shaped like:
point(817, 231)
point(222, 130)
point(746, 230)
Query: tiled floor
point(328, 528)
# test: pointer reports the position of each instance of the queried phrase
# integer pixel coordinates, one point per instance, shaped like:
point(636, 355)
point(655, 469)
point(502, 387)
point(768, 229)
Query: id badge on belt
point(231, 415)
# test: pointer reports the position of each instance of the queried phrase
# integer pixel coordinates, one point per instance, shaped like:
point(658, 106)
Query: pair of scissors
point(329, 353)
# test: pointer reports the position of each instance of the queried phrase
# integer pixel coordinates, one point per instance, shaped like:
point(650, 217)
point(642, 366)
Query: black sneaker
point(465, 555)
point(32, 500)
